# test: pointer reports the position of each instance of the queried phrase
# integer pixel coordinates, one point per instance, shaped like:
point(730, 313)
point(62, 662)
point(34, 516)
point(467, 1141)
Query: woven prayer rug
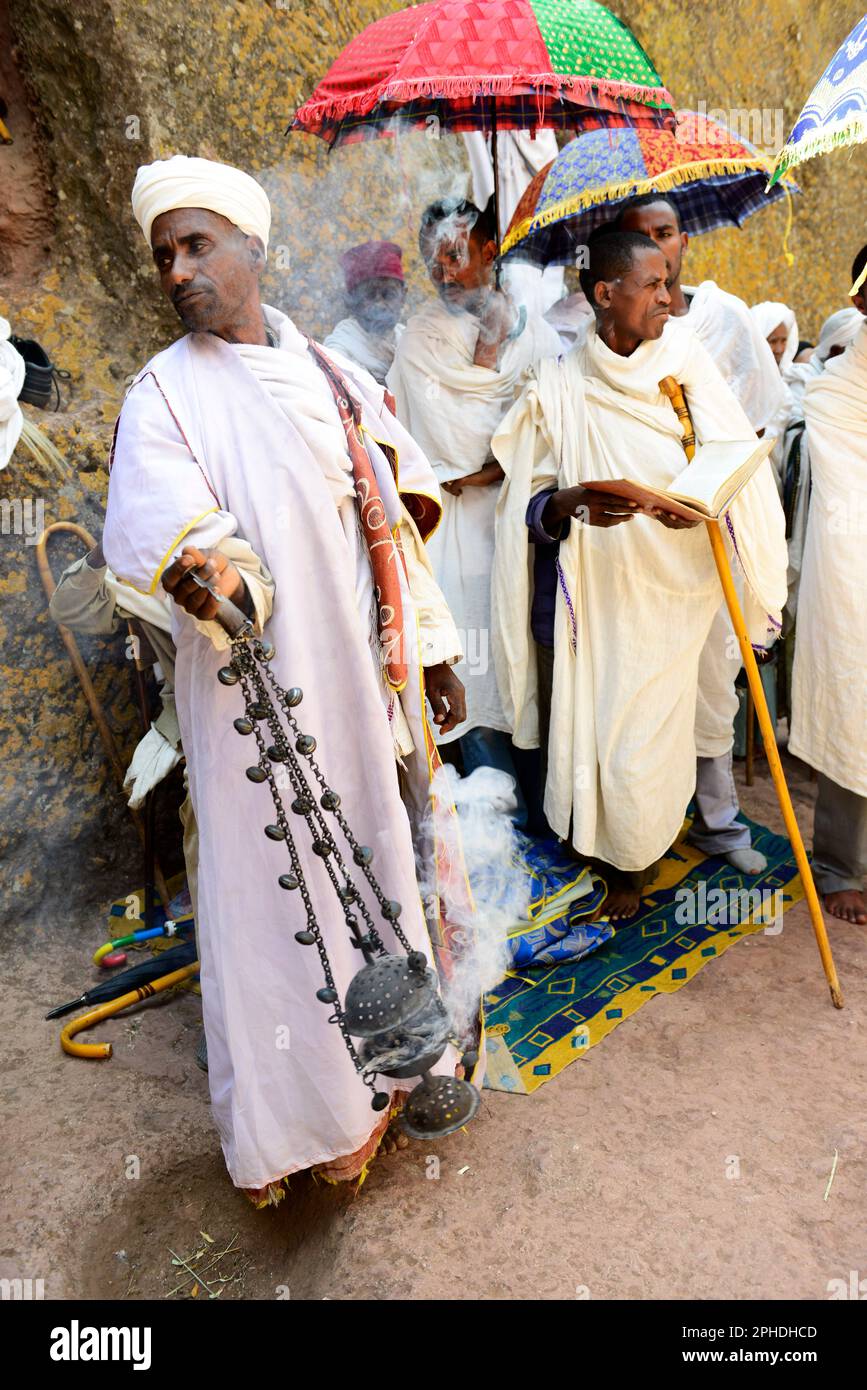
point(125, 914)
point(539, 1020)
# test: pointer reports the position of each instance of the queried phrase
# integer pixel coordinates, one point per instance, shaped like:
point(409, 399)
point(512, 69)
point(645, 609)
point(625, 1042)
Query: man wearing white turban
point(186, 182)
point(232, 454)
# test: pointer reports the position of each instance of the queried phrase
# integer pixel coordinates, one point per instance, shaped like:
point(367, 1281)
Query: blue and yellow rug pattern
point(541, 1019)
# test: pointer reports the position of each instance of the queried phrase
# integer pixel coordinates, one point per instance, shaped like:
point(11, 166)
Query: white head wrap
point(12, 369)
point(837, 331)
point(184, 182)
point(769, 315)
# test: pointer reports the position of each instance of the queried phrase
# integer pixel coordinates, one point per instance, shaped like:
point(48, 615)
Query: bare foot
point(393, 1139)
point(620, 904)
point(849, 905)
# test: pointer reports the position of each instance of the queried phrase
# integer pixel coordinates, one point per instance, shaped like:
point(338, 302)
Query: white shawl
point(724, 325)
point(372, 351)
point(12, 370)
point(829, 681)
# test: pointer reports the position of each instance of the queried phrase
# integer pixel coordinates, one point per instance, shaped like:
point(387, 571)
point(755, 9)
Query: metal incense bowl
point(409, 1049)
point(389, 993)
point(438, 1106)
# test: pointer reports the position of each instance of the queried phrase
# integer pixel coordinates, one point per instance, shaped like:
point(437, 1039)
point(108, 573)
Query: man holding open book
point(635, 599)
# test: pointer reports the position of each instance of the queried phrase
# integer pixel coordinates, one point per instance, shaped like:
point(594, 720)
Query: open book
point(706, 487)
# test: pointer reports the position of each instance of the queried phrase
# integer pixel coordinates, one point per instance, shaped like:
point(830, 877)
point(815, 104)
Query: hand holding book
point(704, 490)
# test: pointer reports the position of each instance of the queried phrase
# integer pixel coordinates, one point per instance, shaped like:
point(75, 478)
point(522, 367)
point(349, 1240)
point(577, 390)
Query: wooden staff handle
point(671, 388)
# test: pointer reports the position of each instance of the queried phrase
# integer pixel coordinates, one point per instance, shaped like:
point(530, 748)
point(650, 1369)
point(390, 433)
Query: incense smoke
point(329, 201)
point(484, 838)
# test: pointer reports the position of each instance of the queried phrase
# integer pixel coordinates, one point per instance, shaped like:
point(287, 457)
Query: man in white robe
point(837, 332)
point(234, 433)
point(635, 601)
point(375, 296)
point(724, 326)
point(457, 370)
point(829, 680)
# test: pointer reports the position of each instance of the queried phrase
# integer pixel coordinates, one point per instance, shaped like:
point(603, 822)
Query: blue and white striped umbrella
point(835, 113)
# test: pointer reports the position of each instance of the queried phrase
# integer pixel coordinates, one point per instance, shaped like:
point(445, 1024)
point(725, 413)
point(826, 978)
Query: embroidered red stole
point(384, 550)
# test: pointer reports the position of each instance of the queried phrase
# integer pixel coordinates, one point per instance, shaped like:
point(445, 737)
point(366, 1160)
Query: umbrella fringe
point(850, 131)
point(614, 193)
point(410, 89)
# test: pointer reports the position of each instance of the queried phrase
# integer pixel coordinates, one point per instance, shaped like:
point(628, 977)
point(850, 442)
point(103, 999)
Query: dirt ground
point(688, 1156)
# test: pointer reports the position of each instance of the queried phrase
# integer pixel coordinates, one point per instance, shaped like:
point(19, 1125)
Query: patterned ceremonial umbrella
point(461, 65)
point(836, 109)
point(714, 180)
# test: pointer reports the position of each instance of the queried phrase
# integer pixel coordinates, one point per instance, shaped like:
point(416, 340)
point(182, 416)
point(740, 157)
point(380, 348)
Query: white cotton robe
point(452, 408)
point(622, 746)
point(204, 451)
point(838, 331)
point(724, 326)
point(372, 351)
point(829, 680)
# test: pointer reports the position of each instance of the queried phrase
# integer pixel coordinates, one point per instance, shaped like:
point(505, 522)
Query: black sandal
point(41, 377)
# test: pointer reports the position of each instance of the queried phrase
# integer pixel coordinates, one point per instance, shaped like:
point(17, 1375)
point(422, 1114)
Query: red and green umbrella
point(713, 178)
point(487, 64)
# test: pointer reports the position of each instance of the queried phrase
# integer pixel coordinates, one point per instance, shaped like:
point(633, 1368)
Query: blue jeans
point(492, 748)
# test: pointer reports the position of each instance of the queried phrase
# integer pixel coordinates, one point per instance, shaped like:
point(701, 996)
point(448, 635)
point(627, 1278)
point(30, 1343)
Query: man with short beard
point(244, 452)
point(375, 296)
point(634, 601)
point(457, 370)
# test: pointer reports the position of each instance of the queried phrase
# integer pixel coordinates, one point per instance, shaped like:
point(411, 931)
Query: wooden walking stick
point(671, 388)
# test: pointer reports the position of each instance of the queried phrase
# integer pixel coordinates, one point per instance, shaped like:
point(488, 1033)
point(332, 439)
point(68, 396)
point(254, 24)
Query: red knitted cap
point(374, 260)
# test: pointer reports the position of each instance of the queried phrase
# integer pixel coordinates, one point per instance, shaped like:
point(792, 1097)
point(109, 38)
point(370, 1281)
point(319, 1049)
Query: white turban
point(184, 182)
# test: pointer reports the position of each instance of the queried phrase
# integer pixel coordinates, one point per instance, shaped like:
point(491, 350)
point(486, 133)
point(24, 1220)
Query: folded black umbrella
point(151, 969)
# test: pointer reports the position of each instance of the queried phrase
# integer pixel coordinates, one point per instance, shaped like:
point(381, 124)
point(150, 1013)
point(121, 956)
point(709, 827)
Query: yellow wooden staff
point(671, 388)
point(114, 1007)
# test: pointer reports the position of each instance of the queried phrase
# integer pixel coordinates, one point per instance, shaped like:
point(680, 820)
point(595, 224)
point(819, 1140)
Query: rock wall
point(97, 88)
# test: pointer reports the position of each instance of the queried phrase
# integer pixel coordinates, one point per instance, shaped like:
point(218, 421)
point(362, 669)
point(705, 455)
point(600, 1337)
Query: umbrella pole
point(150, 802)
point(674, 391)
point(498, 269)
point(751, 737)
